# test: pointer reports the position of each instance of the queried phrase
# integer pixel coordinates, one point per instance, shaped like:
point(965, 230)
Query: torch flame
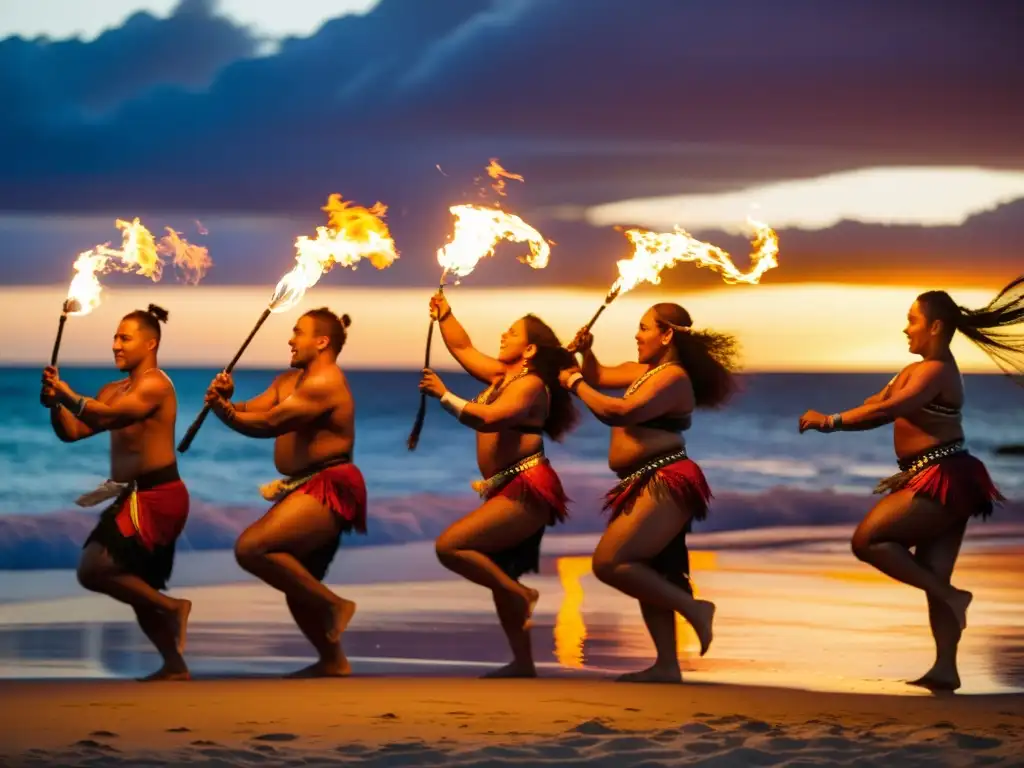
point(499, 174)
point(138, 252)
point(654, 251)
point(478, 230)
point(192, 260)
point(353, 233)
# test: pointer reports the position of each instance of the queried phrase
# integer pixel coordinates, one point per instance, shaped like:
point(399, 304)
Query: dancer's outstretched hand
point(431, 384)
point(812, 420)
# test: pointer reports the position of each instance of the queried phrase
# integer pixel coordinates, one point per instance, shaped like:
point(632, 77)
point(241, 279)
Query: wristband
point(453, 404)
point(445, 316)
point(574, 381)
point(834, 422)
point(81, 407)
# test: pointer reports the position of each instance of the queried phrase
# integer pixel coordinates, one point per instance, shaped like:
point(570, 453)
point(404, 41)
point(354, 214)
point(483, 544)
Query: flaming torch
point(139, 252)
point(654, 251)
point(353, 233)
point(478, 230)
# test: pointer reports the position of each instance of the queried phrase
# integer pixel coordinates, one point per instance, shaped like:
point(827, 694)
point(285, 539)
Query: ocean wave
point(54, 541)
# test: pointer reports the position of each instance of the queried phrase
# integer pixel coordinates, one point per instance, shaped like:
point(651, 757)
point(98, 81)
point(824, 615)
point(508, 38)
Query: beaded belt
point(276, 490)
point(651, 466)
point(492, 484)
point(911, 465)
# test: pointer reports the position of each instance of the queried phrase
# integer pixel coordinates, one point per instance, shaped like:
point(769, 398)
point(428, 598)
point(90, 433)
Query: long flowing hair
point(990, 327)
point(551, 358)
point(709, 357)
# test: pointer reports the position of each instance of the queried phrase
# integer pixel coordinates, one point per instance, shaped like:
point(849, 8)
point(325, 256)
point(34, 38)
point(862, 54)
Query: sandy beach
point(807, 668)
point(426, 721)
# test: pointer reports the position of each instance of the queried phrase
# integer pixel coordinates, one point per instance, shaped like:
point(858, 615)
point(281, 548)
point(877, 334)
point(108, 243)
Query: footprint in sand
point(967, 741)
point(179, 729)
point(104, 734)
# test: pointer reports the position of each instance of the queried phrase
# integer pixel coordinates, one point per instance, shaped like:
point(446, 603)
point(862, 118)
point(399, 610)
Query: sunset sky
point(880, 139)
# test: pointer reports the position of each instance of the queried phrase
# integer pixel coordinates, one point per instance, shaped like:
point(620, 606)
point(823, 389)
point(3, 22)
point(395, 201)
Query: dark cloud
point(586, 97)
point(52, 90)
point(592, 100)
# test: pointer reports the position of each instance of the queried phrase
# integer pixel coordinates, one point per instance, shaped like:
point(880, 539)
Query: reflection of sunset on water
point(570, 629)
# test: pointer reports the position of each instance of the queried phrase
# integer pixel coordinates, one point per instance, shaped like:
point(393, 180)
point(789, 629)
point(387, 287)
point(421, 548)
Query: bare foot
point(321, 668)
point(179, 619)
point(340, 615)
point(654, 674)
point(512, 669)
point(936, 683)
point(959, 602)
point(938, 678)
point(168, 672)
point(703, 624)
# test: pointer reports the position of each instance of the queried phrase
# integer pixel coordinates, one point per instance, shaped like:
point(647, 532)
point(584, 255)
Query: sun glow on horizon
point(797, 328)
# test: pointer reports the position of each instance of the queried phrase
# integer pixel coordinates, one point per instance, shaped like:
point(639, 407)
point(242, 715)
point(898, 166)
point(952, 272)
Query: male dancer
point(310, 413)
point(130, 554)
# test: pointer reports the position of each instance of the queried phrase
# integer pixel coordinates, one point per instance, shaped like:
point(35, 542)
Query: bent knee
point(860, 544)
point(249, 549)
point(90, 577)
point(445, 547)
point(604, 566)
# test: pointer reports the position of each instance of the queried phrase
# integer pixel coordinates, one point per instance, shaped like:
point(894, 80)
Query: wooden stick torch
point(193, 430)
point(421, 413)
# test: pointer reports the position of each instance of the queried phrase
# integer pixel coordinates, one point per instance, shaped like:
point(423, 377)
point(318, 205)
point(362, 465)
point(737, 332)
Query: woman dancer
point(500, 541)
point(661, 491)
point(940, 485)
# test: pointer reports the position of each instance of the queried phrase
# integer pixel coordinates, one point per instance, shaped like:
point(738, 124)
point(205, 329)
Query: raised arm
point(134, 406)
point(923, 385)
point(602, 376)
point(667, 391)
point(311, 399)
point(512, 407)
point(476, 363)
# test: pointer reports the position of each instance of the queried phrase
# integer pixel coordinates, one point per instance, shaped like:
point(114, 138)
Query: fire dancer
point(130, 553)
point(940, 486)
point(310, 412)
point(661, 491)
point(497, 543)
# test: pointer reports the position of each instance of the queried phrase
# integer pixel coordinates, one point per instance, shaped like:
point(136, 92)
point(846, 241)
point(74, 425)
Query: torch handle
point(56, 342)
point(421, 412)
point(593, 320)
point(193, 429)
point(56, 345)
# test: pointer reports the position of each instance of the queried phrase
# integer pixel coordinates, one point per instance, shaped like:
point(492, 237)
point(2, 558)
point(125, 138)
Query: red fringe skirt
point(141, 528)
point(536, 485)
point(949, 475)
point(342, 489)
point(676, 477)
